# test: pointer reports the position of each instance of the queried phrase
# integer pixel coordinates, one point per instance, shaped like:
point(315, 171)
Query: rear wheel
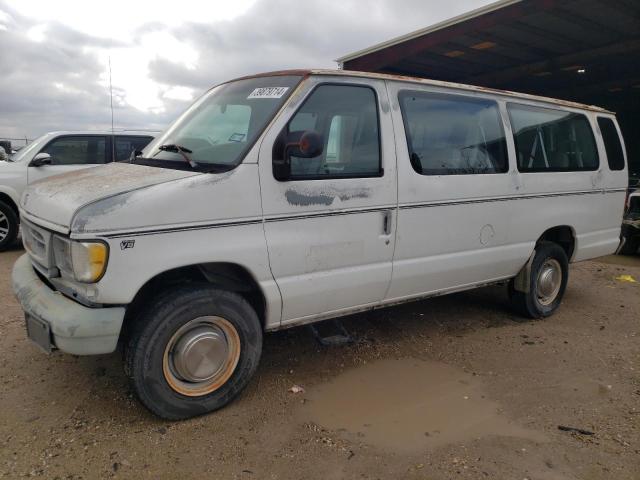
point(8, 226)
point(193, 351)
point(548, 281)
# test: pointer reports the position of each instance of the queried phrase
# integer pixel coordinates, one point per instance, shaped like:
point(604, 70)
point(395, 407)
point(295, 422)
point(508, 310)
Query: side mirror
point(40, 159)
point(307, 144)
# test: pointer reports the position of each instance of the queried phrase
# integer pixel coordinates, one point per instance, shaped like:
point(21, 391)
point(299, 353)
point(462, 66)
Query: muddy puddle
point(407, 406)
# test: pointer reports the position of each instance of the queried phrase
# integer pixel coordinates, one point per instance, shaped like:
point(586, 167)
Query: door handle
point(386, 222)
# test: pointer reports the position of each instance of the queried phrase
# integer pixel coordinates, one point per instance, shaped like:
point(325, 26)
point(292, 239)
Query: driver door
point(330, 226)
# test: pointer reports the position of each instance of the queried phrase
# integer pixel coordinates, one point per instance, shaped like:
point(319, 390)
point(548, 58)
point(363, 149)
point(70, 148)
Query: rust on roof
point(276, 73)
point(423, 81)
point(459, 86)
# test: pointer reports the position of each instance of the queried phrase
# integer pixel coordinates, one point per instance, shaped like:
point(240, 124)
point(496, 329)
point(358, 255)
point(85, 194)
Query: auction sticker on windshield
point(268, 92)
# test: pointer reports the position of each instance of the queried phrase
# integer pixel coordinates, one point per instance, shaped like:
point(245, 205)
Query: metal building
point(583, 50)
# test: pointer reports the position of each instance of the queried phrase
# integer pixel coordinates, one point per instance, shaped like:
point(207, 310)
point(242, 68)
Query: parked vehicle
point(631, 226)
point(55, 153)
point(287, 198)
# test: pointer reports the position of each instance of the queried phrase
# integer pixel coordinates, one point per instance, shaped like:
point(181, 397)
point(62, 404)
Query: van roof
point(435, 83)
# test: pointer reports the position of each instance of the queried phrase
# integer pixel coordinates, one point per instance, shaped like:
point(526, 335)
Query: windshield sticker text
point(268, 92)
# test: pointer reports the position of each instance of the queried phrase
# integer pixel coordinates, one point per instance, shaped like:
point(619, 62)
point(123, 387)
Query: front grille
point(37, 243)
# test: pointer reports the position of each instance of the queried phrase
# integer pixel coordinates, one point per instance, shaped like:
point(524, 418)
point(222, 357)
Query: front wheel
point(8, 226)
point(193, 351)
point(548, 281)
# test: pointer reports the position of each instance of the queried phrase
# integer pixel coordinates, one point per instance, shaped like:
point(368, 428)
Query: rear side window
point(346, 117)
point(127, 144)
point(612, 145)
point(453, 135)
point(549, 140)
point(77, 150)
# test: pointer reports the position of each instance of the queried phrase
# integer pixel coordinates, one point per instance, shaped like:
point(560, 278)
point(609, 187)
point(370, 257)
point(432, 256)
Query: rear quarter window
point(551, 140)
point(612, 144)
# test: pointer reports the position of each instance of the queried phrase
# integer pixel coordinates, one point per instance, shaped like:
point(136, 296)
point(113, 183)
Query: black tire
point(152, 332)
point(9, 221)
point(530, 304)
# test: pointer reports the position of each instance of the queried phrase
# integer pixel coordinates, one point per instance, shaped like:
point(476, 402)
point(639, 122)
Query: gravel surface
point(75, 417)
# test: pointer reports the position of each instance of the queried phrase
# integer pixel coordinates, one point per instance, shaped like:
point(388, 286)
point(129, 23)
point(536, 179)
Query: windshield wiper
point(183, 151)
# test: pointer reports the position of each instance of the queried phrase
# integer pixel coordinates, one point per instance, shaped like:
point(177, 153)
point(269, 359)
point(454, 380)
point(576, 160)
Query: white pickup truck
point(55, 153)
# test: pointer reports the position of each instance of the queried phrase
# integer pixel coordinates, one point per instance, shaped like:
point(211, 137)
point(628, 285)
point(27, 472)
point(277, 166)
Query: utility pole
point(111, 94)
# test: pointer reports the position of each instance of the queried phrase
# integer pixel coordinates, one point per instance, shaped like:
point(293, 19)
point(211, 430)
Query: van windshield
point(220, 127)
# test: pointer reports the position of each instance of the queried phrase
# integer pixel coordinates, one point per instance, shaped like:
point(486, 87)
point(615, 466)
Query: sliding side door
point(455, 181)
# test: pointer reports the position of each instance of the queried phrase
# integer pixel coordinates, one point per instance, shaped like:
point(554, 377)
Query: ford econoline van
point(286, 198)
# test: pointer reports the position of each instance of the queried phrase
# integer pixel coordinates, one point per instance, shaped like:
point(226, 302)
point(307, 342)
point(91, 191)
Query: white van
point(291, 197)
point(54, 153)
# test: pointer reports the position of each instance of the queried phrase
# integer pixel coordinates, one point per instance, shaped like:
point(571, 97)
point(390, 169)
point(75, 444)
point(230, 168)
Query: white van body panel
point(180, 223)
point(460, 230)
point(319, 248)
point(60, 199)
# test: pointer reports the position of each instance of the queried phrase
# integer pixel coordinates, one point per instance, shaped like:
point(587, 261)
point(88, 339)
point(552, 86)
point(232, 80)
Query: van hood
point(56, 200)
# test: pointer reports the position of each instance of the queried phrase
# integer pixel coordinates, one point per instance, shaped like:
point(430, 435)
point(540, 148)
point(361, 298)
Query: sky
point(54, 55)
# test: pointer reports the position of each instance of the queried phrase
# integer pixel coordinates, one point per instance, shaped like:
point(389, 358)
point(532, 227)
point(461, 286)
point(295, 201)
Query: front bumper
point(75, 329)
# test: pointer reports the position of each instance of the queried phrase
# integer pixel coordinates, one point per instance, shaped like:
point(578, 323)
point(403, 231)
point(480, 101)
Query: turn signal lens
point(89, 260)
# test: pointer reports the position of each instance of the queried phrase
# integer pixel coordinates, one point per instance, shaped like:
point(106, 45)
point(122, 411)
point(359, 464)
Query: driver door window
point(80, 150)
point(346, 117)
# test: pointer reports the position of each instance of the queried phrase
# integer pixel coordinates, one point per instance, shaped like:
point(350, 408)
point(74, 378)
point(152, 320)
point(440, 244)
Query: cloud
point(55, 82)
point(282, 34)
point(54, 77)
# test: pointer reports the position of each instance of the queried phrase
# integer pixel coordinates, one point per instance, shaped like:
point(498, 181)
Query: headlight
point(84, 261)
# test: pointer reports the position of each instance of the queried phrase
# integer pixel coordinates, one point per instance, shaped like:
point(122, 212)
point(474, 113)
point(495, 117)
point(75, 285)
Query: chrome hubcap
point(4, 226)
point(200, 353)
point(549, 281)
point(201, 356)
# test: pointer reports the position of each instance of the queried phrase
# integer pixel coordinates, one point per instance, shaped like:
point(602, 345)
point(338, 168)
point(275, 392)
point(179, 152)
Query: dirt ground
point(451, 387)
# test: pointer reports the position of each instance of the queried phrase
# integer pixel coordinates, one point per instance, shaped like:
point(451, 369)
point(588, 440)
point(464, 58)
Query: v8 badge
point(124, 244)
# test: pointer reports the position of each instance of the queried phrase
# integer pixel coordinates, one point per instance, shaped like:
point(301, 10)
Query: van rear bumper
point(74, 328)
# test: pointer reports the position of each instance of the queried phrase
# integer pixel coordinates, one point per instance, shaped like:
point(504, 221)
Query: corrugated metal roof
point(425, 31)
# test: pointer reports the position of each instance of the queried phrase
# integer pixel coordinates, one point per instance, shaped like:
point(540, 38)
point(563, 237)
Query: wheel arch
point(8, 199)
point(224, 275)
point(562, 235)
